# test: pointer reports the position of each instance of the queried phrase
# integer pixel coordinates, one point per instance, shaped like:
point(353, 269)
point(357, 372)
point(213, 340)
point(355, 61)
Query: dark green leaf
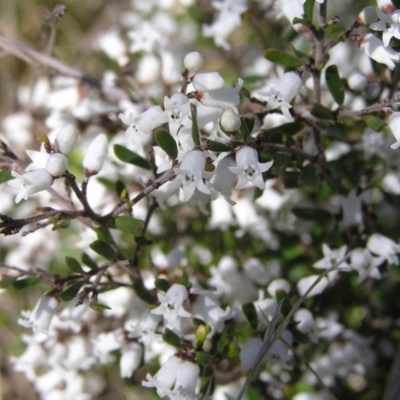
point(99, 307)
point(171, 338)
point(290, 129)
point(250, 312)
point(142, 241)
point(127, 224)
point(130, 157)
point(184, 278)
point(291, 180)
point(88, 261)
point(312, 214)
point(71, 291)
point(26, 282)
point(321, 112)
point(165, 140)
point(120, 188)
point(375, 123)
point(102, 234)
point(5, 176)
point(334, 84)
point(74, 265)
point(309, 9)
point(162, 285)
point(204, 359)
point(142, 292)
point(99, 247)
point(195, 127)
point(279, 57)
point(218, 147)
point(6, 282)
point(303, 21)
point(245, 93)
point(309, 177)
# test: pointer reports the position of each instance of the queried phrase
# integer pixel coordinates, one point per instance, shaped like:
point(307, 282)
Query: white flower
point(375, 49)
point(193, 61)
point(144, 38)
point(365, 264)
point(190, 172)
point(223, 179)
point(332, 258)
point(31, 183)
point(205, 81)
point(394, 127)
point(66, 139)
point(57, 164)
point(249, 169)
point(305, 283)
point(283, 92)
point(385, 247)
point(226, 97)
point(96, 154)
point(352, 213)
point(131, 357)
point(389, 24)
point(249, 352)
point(172, 302)
point(230, 121)
point(177, 109)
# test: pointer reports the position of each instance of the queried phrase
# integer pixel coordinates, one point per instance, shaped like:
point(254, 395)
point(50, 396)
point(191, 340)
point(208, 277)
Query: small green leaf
point(312, 214)
point(42, 137)
point(74, 265)
point(375, 123)
point(218, 147)
point(165, 140)
point(71, 291)
point(130, 157)
point(162, 285)
point(127, 224)
point(99, 247)
point(244, 92)
point(334, 84)
point(5, 176)
point(25, 282)
point(184, 278)
point(204, 359)
point(171, 338)
point(120, 188)
point(309, 9)
point(88, 261)
point(279, 57)
point(290, 129)
point(143, 292)
point(309, 178)
point(102, 234)
point(99, 307)
point(321, 112)
point(250, 312)
point(195, 127)
point(6, 282)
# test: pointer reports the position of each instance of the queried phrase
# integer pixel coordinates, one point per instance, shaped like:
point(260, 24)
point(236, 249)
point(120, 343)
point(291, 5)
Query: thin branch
point(368, 110)
point(37, 59)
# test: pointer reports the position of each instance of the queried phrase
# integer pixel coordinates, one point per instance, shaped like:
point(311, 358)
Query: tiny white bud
point(204, 81)
point(96, 154)
point(57, 164)
point(357, 81)
point(230, 121)
point(193, 61)
point(66, 139)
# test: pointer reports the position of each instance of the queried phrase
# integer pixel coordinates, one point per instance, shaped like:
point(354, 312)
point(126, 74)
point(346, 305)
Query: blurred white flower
point(389, 24)
point(96, 154)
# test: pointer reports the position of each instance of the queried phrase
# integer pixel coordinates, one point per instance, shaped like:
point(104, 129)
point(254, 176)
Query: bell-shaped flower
point(131, 357)
point(223, 179)
point(66, 139)
point(96, 154)
point(375, 49)
point(31, 182)
point(394, 127)
point(190, 172)
point(57, 164)
point(172, 302)
point(249, 169)
point(177, 109)
point(385, 247)
point(225, 97)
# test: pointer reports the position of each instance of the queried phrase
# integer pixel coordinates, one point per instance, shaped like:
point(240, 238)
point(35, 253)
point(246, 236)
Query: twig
point(368, 110)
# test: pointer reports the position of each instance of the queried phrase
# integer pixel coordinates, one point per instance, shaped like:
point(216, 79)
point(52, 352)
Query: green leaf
point(202, 331)
point(142, 292)
point(171, 338)
point(309, 177)
point(279, 57)
point(204, 359)
point(127, 224)
point(291, 180)
point(74, 265)
point(120, 188)
point(312, 214)
point(309, 9)
point(321, 112)
point(102, 234)
point(184, 278)
point(130, 157)
point(71, 291)
point(334, 84)
point(142, 241)
point(250, 312)
point(99, 247)
point(218, 147)
point(244, 92)
point(5, 176)
point(162, 285)
point(165, 140)
point(375, 123)
point(6, 282)
point(195, 127)
point(99, 307)
point(26, 282)
point(42, 137)
point(290, 129)
point(88, 261)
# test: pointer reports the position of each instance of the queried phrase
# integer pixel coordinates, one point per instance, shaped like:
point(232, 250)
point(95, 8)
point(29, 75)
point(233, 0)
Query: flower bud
point(57, 164)
point(66, 139)
point(394, 127)
point(204, 81)
point(96, 154)
point(367, 15)
point(193, 61)
point(230, 121)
